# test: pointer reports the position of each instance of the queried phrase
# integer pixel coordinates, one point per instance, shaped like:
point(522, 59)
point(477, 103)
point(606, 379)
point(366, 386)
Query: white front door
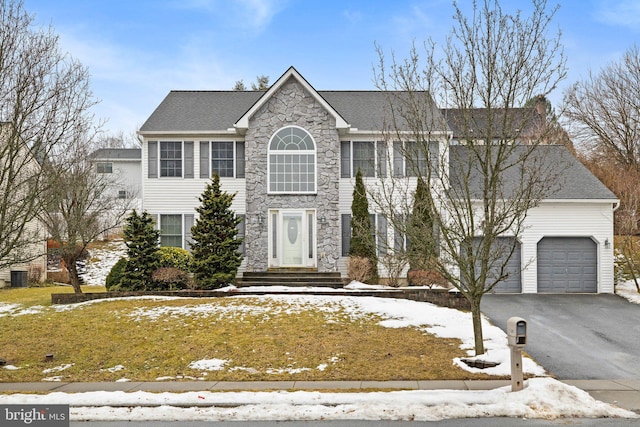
point(292, 238)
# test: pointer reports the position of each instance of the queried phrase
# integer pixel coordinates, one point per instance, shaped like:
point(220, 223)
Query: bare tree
point(603, 111)
point(480, 153)
point(44, 94)
point(79, 204)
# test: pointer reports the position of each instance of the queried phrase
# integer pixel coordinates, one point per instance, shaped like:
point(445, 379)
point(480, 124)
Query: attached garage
point(567, 264)
point(513, 282)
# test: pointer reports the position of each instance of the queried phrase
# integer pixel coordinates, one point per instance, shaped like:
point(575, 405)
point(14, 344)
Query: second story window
point(369, 157)
point(171, 158)
point(104, 167)
point(225, 158)
point(222, 158)
point(292, 161)
point(411, 159)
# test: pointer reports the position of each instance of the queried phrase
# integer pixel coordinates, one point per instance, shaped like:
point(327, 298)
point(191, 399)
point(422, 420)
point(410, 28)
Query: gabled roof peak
point(243, 122)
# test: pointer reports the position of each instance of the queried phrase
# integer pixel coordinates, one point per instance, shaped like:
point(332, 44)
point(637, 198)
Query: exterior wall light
point(607, 245)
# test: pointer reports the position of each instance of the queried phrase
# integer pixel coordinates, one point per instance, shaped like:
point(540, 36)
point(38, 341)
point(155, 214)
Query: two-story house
point(291, 154)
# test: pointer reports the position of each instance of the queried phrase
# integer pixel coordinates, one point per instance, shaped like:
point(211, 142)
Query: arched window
point(292, 161)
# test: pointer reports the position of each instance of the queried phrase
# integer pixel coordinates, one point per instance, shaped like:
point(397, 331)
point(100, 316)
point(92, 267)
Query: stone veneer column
point(293, 105)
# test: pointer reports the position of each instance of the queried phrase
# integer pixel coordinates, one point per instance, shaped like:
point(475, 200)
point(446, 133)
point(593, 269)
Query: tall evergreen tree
point(141, 239)
point(215, 243)
point(423, 245)
point(363, 242)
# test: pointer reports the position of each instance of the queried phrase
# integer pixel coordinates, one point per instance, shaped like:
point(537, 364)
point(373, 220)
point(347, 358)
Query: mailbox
point(517, 332)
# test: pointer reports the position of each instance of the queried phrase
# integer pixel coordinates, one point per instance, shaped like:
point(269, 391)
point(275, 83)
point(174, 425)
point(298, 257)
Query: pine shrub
point(113, 279)
point(362, 238)
point(141, 239)
point(215, 239)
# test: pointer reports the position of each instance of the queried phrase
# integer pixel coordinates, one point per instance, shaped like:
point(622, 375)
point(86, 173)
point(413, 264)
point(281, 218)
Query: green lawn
point(261, 339)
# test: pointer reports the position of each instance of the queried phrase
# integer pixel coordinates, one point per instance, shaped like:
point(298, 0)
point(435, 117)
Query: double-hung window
point(378, 228)
point(224, 158)
point(170, 158)
point(171, 230)
point(368, 157)
point(411, 159)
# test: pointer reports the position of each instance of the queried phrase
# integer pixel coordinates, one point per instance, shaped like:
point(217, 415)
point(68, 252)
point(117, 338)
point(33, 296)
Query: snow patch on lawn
point(57, 368)
point(208, 364)
point(13, 309)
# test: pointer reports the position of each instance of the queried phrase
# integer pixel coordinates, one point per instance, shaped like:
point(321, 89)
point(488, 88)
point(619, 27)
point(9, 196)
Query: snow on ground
point(542, 398)
point(101, 260)
point(628, 290)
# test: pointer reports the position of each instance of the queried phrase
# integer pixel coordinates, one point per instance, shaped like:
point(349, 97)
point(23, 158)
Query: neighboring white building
point(16, 172)
point(125, 172)
point(290, 155)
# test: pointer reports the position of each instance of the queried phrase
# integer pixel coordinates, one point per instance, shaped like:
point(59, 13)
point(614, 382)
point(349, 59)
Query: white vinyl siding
point(181, 196)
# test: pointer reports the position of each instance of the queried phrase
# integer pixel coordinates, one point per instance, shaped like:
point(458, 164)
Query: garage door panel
point(513, 282)
point(567, 264)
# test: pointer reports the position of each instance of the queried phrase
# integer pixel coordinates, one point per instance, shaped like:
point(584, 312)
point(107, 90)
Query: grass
point(261, 339)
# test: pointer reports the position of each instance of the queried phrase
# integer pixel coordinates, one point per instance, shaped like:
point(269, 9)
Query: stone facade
point(293, 105)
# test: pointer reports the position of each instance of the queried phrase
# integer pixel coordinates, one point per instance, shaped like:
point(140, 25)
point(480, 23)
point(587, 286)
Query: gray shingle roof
point(568, 178)
point(196, 111)
point(118, 154)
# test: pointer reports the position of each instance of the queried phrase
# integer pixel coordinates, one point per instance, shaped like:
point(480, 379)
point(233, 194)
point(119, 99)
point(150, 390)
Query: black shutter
point(345, 159)
point(204, 160)
point(188, 159)
point(240, 159)
point(346, 234)
point(152, 156)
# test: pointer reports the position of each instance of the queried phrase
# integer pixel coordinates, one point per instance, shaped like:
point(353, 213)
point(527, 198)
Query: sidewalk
point(622, 393)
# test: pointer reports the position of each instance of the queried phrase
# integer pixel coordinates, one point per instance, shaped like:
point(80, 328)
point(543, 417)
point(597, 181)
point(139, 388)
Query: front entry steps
point(294, 278)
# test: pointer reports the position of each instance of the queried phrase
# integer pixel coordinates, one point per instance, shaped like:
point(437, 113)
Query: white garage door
point(567, 264)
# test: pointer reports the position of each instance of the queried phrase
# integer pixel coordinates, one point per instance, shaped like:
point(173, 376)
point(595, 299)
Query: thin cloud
point(624, 13)
point(252, 16)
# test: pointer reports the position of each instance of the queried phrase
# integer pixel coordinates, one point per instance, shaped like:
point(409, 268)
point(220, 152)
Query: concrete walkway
point(622, 393)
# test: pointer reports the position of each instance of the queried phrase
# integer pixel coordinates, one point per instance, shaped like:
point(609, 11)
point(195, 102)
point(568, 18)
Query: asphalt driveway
point(575, 337)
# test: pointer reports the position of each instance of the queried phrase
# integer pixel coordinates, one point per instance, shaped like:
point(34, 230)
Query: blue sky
point(139, 50)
